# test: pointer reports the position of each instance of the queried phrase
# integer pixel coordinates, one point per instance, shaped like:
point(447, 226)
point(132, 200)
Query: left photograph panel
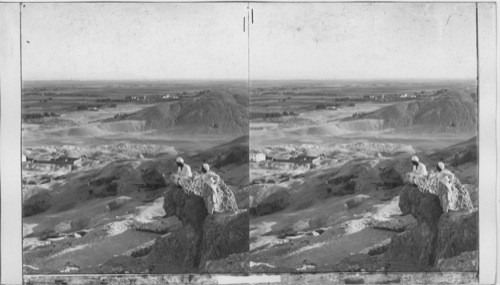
point(134, 138)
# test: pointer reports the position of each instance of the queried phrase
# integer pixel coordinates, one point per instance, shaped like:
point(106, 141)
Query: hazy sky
point(287, 41)
point(363, 41)
point(134, 41)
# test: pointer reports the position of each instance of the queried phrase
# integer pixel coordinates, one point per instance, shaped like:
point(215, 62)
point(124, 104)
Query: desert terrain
point(95, 154)
point(330, 194)
point(327, 193)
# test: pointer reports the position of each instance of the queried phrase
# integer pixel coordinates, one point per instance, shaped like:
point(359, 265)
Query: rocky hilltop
point(437, 242)
point(437, 236)
point(202, 237)
point(214, 112)
point(453, 111)
point(360, 214)
point(124, 217)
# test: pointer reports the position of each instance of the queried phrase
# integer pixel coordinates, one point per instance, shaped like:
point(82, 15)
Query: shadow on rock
point(202, 237)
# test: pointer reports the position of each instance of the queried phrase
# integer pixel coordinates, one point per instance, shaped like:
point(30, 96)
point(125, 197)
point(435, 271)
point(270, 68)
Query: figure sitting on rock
point(184, 176)
point(446, 179)
point(209, 191)
point(419, 174)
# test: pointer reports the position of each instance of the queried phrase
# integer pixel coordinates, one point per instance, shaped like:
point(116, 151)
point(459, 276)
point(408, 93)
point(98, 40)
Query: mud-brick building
point(257, 157)
point(305, 159)
point(60, 161)
point(301, 160)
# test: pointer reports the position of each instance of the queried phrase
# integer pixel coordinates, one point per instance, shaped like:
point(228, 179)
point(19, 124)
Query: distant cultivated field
point(304, 96)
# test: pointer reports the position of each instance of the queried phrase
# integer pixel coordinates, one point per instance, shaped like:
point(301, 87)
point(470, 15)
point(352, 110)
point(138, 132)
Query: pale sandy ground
point(91, 131)
point(329, 130)
point(84, 117)
point(108, 234)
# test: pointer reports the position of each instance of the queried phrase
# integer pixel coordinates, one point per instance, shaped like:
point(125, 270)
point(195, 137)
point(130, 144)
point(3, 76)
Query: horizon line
point(246, 80)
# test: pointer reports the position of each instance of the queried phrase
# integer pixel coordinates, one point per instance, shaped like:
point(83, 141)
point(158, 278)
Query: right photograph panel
point(363, 137)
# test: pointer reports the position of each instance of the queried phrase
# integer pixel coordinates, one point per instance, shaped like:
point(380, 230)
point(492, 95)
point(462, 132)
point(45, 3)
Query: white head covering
point(206, 167)
point(180, 160)
point(441, 165)
point(414, 158)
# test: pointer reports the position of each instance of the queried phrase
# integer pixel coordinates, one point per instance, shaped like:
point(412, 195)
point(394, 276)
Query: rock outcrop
point(459, 197)
point(223, 235)
point(152, 178)
point(356, 201)
point(118, 202)
point(457, 232)
point(227, 198)
point(466, 261)
point(437, 236)
point(391, 176)
point(273, 203)
point(37, 203)
point(177, 252)
point(202, 237)
point(188, 207)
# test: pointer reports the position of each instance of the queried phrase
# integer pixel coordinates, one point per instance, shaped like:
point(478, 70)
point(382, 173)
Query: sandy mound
point(362, 125)
point(453, 111)
point(123, 126)
point(317, 130)
point(213, 112)
point(82, 131)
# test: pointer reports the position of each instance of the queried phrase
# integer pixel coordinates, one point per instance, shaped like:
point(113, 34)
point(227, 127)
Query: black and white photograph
point(363, 137)
point(134, 137)
point(259, 142)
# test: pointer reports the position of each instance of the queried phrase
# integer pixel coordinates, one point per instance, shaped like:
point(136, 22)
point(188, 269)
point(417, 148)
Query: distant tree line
point(86, 107)
point(39, 115)
point(278, 114)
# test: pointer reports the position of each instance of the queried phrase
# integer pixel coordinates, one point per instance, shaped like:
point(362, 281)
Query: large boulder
point(106, 190)
point(234, 263)
point(390, 176)
point(186, 206)
point(391, 170)
point(37, 203)
point(226, 198)
point(153, 178)
point(225, 234)
point(118, 202)
point(413, 249)
point(459, 196)
point(457, 232)
point(201, 238)
point(417, 246)
point(176, 252)
point(273, 203)
point(466, 261)
point(356, 201)
point(437, 236)
point(424, 206)
point(179, 251)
